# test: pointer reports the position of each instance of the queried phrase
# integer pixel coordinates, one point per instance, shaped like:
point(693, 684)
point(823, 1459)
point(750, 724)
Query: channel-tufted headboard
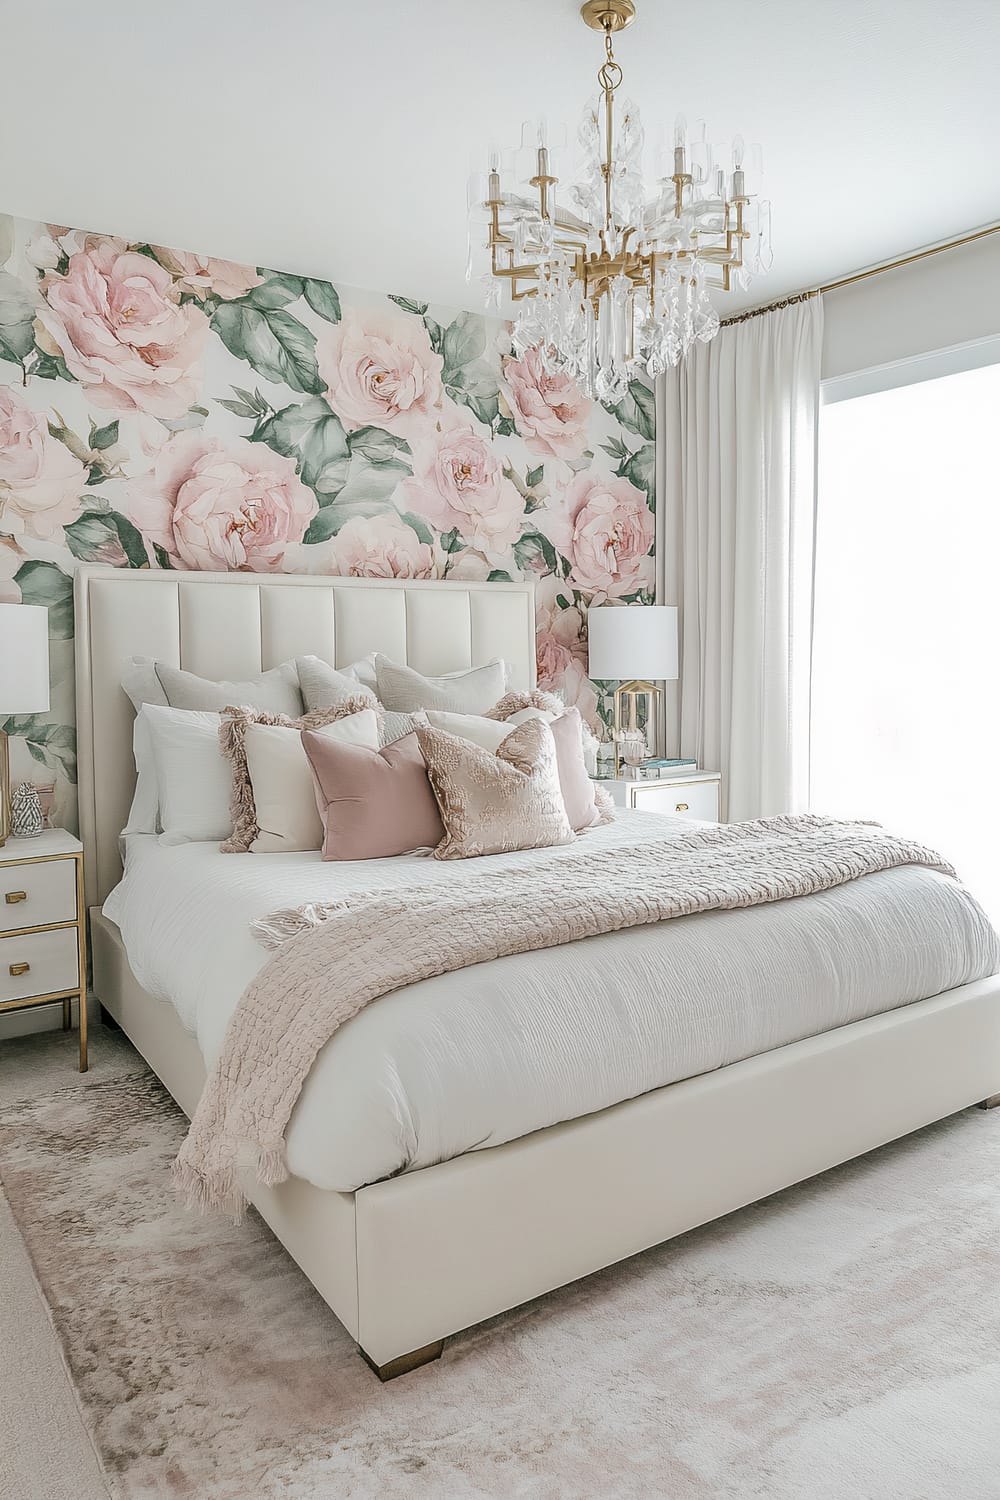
point(232, 625)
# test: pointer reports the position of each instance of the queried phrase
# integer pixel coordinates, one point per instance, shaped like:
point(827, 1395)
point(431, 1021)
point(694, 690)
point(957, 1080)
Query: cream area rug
point(838, 1342)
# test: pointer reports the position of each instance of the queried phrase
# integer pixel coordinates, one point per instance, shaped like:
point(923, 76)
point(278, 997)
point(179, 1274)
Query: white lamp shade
point(633, 641)
point(24, 659)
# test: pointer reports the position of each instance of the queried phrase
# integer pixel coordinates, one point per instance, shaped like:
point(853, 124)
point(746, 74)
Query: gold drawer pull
point(16, 970)
point(13, 897)
point(681, 807)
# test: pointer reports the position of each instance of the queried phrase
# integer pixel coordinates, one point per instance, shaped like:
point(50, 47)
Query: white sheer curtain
point(736, 487)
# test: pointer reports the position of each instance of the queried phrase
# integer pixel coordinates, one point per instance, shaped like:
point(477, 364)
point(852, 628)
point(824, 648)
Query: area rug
point(839, 1340)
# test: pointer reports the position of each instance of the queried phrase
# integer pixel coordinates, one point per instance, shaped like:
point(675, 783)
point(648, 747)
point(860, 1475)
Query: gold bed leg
point(406, 1362)
point(993, 1102)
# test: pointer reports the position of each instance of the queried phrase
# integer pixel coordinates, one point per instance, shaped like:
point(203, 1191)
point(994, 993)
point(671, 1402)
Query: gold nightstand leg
point(67, 1014)
point(81, 912)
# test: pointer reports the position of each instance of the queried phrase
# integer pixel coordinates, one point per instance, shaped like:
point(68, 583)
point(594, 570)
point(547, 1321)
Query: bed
point(418, 1207)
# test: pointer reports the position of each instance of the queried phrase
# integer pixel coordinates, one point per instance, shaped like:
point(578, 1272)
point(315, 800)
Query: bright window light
point(906, 666)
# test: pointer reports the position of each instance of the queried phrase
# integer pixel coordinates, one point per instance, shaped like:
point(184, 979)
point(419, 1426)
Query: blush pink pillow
point(577, 789)
point(373, 803)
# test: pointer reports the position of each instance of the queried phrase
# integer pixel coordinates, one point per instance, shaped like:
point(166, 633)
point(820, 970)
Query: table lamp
point(637, 645)
point(24, 680)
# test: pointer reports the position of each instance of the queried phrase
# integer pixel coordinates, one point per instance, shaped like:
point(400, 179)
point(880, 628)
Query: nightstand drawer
point(37, 895)
point(696, 799)
point(42, 963)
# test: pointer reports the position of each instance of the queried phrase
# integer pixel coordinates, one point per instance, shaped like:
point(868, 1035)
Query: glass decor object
point(634, 645)
point(24, 680)
point(610, 272)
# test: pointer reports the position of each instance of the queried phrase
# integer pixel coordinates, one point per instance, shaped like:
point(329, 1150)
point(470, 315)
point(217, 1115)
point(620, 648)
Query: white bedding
point(484, 1055)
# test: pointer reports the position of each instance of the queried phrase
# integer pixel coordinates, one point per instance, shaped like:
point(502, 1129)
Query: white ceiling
point(335, 138)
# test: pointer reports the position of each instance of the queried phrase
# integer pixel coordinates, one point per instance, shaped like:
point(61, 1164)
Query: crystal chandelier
point(612, 278)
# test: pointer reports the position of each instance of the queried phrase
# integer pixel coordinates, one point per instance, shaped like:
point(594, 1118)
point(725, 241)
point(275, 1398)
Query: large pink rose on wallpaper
point(380, 371)
point(115, 317)
point(380, 547)
point(458, 482)
point(604, 528)
point(41, 482)
point(549, 411)
point(224, 505)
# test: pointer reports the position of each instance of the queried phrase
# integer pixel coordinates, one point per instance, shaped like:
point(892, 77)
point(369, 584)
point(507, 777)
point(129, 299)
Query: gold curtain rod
point(834, 286)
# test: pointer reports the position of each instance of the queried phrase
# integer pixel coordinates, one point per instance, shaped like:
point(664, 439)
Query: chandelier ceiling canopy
point(610, 273)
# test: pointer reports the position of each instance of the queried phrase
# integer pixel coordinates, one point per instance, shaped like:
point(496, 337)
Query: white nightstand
point(43, 936)
point(688, 794)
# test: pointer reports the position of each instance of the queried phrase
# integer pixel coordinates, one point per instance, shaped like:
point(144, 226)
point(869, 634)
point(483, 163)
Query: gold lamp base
point(627, 716)
point(608, 15)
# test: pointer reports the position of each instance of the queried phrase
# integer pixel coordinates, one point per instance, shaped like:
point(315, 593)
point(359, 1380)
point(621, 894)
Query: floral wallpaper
point(170, 410)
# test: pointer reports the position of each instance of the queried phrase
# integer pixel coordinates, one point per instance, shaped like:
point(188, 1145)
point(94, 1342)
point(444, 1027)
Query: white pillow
point(324, 686)
point(145, 810)
point(475, 691)
point(275, 691)
point(488, 733)
point(284, 795)
point(194, 779)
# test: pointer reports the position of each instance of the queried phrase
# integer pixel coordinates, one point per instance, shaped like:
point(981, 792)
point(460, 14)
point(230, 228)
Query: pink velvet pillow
point(373, 803)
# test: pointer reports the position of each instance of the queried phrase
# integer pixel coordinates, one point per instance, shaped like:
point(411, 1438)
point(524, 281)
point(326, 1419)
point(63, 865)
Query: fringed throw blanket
point(333, 960)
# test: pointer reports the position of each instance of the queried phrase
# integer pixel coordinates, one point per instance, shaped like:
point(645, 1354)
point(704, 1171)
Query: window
point(906, 666)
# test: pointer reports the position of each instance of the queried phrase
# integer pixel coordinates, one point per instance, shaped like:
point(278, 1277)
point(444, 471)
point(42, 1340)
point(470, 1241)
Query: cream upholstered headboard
point(233, 625)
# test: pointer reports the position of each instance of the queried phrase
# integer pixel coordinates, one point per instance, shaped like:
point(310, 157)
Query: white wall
point(947, 300)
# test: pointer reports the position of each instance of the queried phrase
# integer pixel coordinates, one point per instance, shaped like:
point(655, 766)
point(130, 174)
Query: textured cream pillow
point(496, 803)
point(403, 690)
point(273, 801)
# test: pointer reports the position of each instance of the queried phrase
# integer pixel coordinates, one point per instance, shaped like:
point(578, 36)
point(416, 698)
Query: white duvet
point(495, 1051)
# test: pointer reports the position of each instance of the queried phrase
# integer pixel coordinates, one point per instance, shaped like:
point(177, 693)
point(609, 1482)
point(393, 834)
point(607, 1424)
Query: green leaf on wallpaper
point(107, 537)
point(406, 303)
point(637, 410)
point(503, 427)
point(366, 493)
point(53, 745)
point(276, 290)
point(162, 557)
point(248, 403)
point(380, 448)
point(534, 476)
point(424, 532)
point(640, 470)
point(322, 298)
point(532, 547)
point(435, 333)
point(272, 341)
point(95, 475)
point(467, 377)
point(616, 449)
point(451, 541)
point(103, 437)
point(50, 367)
point(44, 583)
point(313, 436)
point(17, 320)
point(499, 576)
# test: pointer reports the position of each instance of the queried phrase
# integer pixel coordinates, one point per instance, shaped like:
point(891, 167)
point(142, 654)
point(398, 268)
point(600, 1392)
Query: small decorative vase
point(25, 812)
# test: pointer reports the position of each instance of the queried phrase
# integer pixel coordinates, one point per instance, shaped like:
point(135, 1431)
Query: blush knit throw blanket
point(333, 960)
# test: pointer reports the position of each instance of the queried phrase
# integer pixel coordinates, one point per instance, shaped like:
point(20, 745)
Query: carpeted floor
point(839, 1342)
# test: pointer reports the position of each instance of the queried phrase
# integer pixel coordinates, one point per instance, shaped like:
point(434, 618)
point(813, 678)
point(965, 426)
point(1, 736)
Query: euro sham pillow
point(579, 794)
point(193, 778)
point(324, 686)
point(148, 681)
point(403, 690)
point(375, 803)
point(495, 803)
point(274, 808)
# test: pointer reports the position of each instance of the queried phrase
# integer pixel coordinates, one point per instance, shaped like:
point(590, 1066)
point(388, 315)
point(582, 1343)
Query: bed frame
point(405, 1262)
